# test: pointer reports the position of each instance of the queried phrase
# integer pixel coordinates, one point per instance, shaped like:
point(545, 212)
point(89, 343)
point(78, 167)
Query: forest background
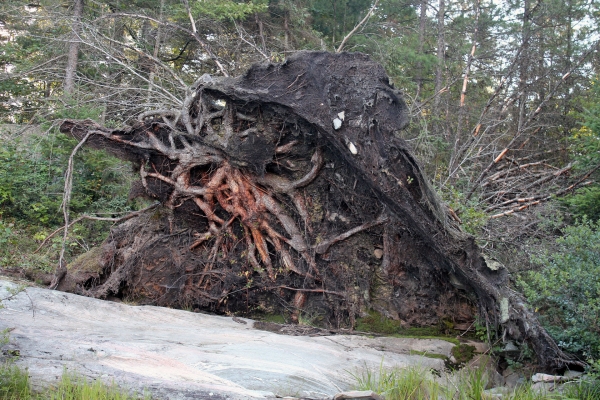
point(503, 97)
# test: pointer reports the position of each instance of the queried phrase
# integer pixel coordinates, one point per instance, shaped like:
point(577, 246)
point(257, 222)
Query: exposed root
point(240, 172)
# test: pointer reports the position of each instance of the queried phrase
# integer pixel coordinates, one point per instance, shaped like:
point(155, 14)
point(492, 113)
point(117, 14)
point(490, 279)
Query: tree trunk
point(422, 23)
point(441, 55)
point(73, 53)
point(287, 189)
point(524, 65)
point(155, 52)
point(461, 119)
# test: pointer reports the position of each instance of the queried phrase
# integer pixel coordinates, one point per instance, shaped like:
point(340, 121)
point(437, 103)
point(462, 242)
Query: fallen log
point(287, 189)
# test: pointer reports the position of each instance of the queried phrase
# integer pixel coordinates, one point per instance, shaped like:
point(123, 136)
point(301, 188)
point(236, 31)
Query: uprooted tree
point(288, 189)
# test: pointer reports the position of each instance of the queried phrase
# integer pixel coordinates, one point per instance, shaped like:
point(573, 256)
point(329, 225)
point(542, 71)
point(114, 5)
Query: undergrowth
point(419, 383)
point(15, 385)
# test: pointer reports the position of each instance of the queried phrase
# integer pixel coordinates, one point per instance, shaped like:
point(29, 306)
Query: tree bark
point(441, 55)
point(422, 24)
point(461, 120)
point(155, 51)
point(73, 53)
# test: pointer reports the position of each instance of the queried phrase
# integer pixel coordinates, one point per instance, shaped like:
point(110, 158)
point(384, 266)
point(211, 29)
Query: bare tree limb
point(353, 31)
point(95, 218)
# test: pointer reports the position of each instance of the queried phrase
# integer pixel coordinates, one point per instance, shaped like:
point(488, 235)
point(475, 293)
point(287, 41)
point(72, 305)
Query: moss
point(427, 354)
point(87, 262)
point(377, 323)
point(274, 318)
point(463, 353)
point(435, 337)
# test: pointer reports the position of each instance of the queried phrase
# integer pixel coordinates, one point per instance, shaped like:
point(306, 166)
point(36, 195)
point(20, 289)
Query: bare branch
point(353, 31)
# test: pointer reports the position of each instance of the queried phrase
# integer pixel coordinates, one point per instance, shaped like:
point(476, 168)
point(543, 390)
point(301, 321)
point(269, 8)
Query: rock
point(378, 253)
point(496, 393)
point(400, 345)
point(480, 347)
point(510, 347)
point(572, 374)
point(176, 354)
point(485, 362)
point(513, 379)
point(466, 326)
point(358, 395)
point(546, 378)
point(543, 387)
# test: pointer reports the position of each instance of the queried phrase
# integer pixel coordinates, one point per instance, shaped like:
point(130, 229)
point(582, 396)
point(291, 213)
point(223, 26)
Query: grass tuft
point(14, 385)
point(416, 383)
point(412, 383)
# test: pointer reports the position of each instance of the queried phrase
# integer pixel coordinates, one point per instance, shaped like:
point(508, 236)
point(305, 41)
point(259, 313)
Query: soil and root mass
point(287, 190)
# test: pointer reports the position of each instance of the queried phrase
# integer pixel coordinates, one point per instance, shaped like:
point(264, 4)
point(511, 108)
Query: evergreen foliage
point(566, 288)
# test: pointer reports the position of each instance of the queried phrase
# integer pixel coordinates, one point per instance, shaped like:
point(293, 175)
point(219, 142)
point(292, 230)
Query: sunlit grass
point(419, 383)
point(15, 385)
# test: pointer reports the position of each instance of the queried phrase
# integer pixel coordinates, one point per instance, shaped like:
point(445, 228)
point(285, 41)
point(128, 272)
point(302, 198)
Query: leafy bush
point(32, 180)
point(585, 147)
point(31, 191)
point(585, 202)
point(566, 289)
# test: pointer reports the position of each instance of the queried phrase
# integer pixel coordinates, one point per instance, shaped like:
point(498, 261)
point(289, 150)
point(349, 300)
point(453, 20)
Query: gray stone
point(496, 393)
point(543, 387)
point(572, 374)
point(480, 347)
point(488, 365)
point(514, 379)
point(177, 354)
point(546, 378)
point(358, 395)
point(510, 347)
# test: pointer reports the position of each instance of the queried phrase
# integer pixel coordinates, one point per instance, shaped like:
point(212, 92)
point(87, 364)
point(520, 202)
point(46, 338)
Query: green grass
point(412, 383)
point(15, 385)
point(418, 383)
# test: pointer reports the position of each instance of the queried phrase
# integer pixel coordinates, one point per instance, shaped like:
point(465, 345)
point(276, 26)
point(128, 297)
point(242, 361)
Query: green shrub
point(32, 180)
point(585, 202)
point(31, 192)
point(566, 289)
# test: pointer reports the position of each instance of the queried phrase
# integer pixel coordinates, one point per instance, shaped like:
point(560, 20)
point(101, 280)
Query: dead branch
point(361, 23)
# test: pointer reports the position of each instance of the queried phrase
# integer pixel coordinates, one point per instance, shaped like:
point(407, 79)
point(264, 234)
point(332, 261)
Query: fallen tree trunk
point(287, 189)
